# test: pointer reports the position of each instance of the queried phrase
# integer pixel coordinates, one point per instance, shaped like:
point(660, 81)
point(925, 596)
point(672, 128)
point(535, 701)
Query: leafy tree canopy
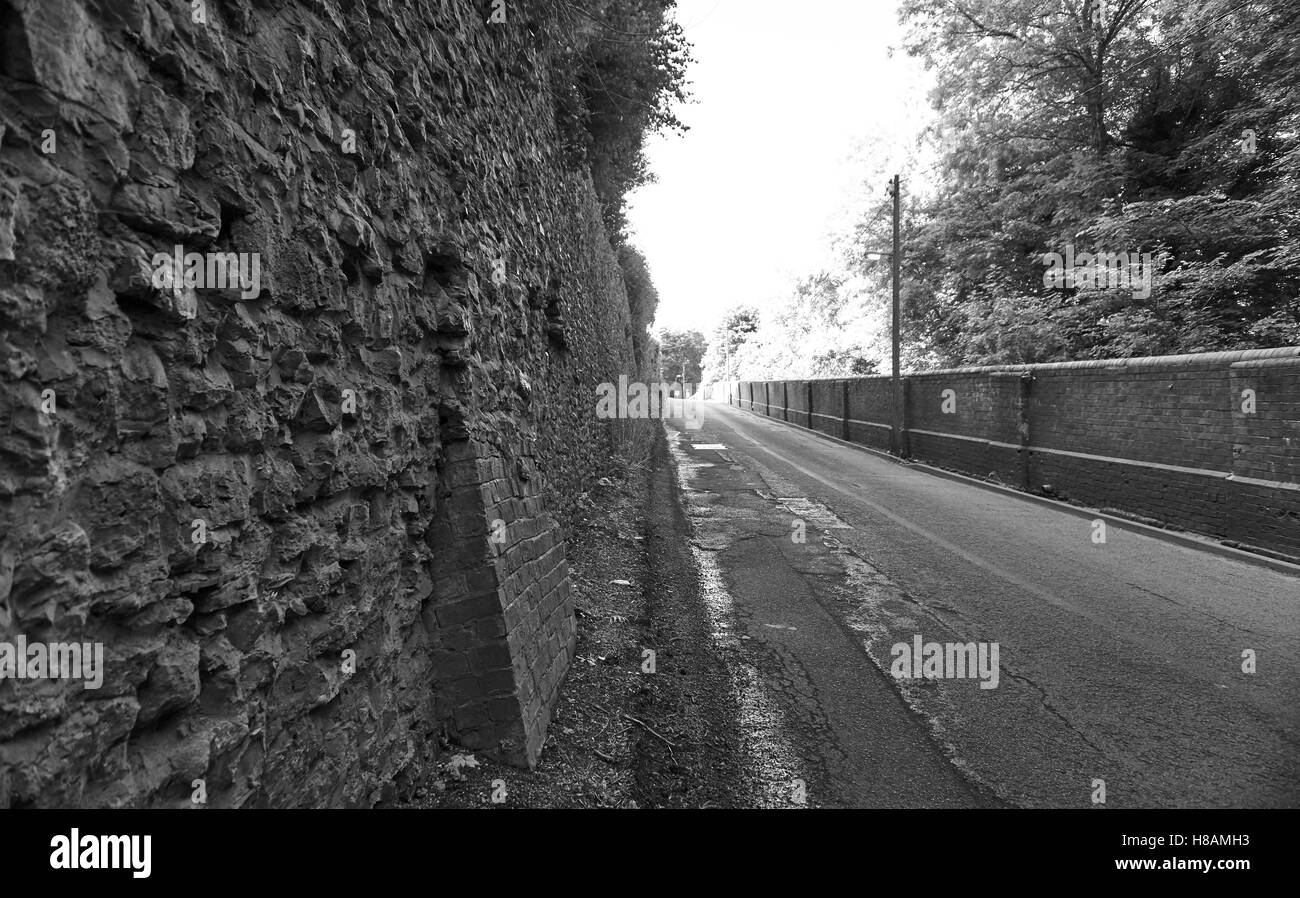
point(1127, 126)
point(626, 63)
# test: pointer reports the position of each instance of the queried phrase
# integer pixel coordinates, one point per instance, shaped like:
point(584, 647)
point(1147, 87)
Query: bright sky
point(785, 93)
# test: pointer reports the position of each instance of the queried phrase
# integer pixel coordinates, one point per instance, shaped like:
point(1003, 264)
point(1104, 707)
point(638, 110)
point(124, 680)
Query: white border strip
point(1113, 459)
point(874, 424)
point(958, 436)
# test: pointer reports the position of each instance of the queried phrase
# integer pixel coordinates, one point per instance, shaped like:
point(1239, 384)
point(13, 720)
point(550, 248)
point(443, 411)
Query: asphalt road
point(1120, 663)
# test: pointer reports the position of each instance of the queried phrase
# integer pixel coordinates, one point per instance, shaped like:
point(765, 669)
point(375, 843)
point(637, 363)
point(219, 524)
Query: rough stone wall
point(1176, 439)
point(315, 527)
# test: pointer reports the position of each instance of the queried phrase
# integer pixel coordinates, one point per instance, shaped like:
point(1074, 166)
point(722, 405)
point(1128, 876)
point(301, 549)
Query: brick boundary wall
point(1207, 442)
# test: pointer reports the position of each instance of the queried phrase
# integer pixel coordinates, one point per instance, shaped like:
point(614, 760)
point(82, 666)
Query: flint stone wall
point(317, 528)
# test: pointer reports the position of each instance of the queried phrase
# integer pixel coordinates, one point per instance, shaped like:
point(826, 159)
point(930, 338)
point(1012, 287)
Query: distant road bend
point(1119, 668)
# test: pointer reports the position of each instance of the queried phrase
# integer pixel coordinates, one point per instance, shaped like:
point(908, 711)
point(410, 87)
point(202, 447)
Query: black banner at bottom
point(136, 849)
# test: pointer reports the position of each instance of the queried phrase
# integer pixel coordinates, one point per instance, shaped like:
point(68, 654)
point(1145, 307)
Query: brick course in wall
point(796, 401)
point(1165, 438)
point(870, 410)
point(828, 398)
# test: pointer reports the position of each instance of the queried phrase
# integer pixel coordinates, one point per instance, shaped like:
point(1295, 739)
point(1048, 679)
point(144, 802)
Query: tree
point(642, 299)
point(736, 327)
point(680, 349)
point(627, 61)
point(1115, 127)
point(825, 329)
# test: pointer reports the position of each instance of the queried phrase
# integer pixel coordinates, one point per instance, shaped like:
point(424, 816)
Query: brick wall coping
point(1282, 354)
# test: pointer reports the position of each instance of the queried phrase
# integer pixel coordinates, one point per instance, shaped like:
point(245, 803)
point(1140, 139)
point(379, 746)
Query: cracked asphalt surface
point(1119, 661)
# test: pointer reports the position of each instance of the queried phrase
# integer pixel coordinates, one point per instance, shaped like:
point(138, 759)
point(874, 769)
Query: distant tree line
point(822, 331)
point(1169, 127)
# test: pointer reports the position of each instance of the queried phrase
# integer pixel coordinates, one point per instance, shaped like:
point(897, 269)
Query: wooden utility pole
point(896, 428)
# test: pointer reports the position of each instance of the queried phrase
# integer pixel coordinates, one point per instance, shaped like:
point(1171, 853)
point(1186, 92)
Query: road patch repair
point(1026, 675)
point(819, 717)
